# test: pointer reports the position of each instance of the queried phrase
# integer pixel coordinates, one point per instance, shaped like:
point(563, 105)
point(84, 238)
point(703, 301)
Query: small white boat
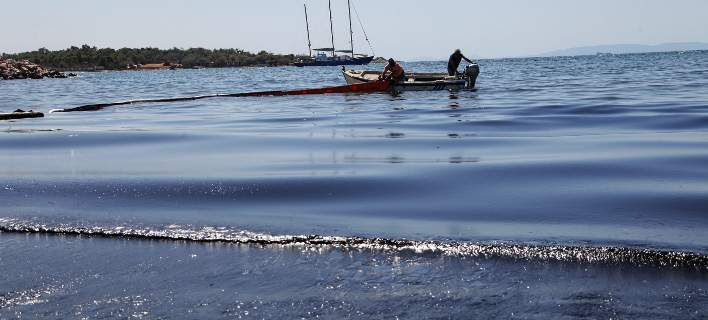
point(420, 81)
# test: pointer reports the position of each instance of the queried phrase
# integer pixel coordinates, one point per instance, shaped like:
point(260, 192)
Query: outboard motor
point(471, 73)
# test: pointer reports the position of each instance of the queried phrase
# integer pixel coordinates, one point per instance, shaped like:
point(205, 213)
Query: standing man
point(454, 62)
point(395, 69)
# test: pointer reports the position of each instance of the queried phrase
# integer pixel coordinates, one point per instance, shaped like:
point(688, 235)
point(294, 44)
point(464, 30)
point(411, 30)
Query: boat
point(328, 56)
point(420, 81)
point(322, 59)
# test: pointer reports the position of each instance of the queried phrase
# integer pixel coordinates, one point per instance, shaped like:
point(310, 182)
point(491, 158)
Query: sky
point(406, 30)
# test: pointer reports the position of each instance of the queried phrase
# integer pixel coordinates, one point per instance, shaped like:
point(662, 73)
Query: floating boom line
point(368, 87)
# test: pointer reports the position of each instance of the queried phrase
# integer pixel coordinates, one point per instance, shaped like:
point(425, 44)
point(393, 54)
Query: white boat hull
point(417, 81)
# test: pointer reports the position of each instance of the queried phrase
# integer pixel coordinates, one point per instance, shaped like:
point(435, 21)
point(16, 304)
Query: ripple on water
point(567, 253)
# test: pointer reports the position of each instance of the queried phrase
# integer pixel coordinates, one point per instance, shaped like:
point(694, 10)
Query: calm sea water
point(560, 188)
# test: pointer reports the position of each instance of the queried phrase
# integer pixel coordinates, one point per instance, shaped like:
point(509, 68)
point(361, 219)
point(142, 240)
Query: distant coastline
point(88, 58)
point(626, 48)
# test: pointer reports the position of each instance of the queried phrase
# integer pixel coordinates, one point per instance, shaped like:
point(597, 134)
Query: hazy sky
point(402, 29)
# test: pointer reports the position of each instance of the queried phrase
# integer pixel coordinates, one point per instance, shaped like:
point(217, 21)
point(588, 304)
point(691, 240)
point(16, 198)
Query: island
point(91, 58)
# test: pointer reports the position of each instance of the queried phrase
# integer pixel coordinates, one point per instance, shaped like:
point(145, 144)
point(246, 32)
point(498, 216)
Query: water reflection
point(400, 159)
point(394, 135)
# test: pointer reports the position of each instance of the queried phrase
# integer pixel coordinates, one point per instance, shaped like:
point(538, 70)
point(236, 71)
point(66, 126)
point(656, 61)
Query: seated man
point(396, 71)
point(454, 62)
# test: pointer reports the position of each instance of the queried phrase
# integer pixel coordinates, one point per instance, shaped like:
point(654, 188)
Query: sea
point(559, 188)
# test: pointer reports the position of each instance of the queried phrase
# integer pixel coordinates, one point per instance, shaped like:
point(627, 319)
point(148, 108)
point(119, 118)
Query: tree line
point(89, 58)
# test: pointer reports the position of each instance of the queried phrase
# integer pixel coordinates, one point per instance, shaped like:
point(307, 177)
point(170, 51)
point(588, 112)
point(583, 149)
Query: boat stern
point(471, 73)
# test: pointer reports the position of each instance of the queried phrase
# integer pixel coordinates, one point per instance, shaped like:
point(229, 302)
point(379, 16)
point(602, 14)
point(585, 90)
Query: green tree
point(88, 57)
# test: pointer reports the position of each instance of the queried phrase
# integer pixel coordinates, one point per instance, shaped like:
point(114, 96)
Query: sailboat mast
point(351, 33)
point(331, 28)
point(307, 25)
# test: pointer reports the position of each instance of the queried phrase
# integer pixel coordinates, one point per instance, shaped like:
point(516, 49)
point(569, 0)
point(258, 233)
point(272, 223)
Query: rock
point(11, 69)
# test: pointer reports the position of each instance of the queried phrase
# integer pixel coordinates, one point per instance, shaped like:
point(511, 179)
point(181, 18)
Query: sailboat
point(321, 58)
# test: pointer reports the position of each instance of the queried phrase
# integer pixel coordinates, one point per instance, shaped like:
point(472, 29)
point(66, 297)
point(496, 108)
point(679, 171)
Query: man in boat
point(393, 71)
point(454, 62)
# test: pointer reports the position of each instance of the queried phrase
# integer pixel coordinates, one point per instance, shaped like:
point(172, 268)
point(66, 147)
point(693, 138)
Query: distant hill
point(627, 48)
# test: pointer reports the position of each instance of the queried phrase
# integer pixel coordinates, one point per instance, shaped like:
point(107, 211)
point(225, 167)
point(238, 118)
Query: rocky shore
point(20, 114)
point(24, 69)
